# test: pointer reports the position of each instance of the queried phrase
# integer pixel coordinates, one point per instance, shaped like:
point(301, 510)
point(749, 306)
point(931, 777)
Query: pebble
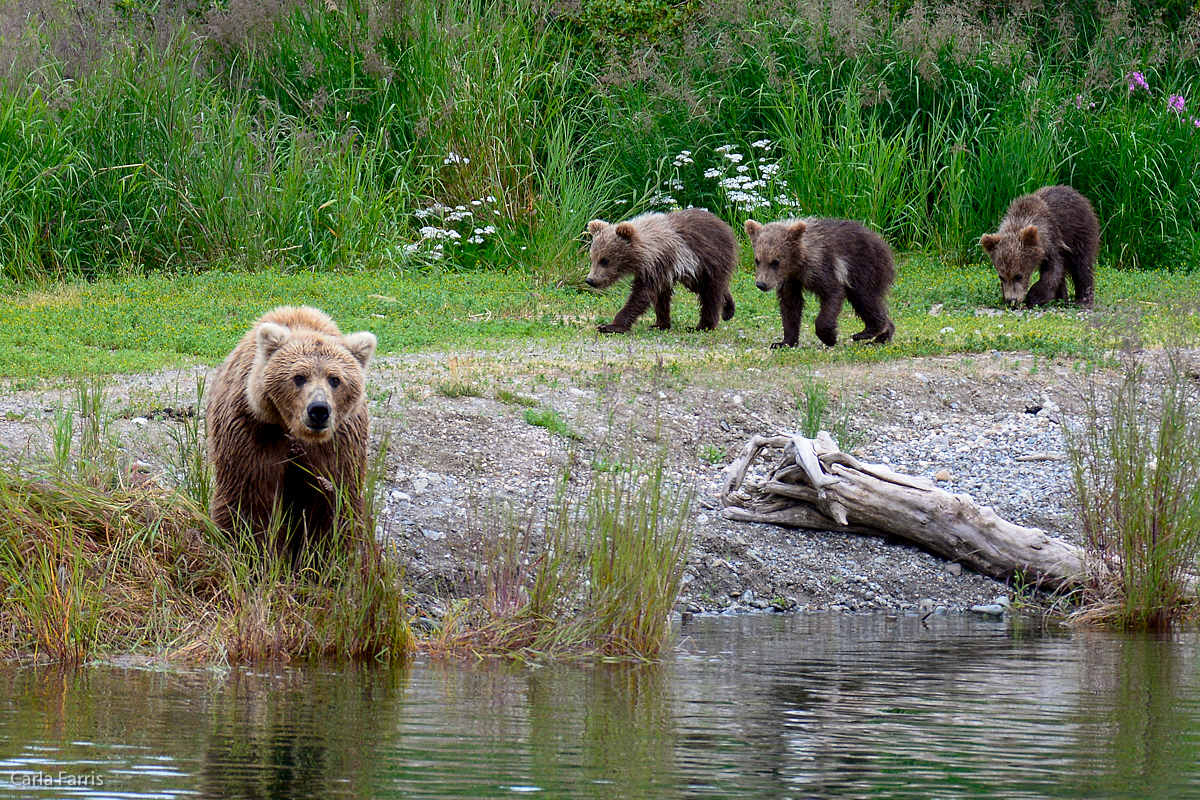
point(990, 610)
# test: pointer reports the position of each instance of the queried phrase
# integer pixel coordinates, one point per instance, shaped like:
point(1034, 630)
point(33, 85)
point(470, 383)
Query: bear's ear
point(269, 337)
point(752, 229)
point(989, 241)
point(596, 225)
point(796, 229)
point(1029, 235)
point(361, 345)
point(626, 231)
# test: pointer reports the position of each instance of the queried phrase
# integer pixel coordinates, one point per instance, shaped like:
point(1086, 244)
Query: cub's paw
point(1039, 294)
point(610, 328)
point(778, 345)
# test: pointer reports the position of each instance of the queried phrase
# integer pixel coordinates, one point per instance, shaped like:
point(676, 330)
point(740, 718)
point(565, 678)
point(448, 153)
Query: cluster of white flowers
point(455, 158)
point(478, 234)
point(435, 237)
point(748, 184)
point(749, 187)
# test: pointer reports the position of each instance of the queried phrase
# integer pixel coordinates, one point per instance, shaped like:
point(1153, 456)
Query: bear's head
point(777, 251)
point(615, 252)
point(1016, 256)
point(307, 380)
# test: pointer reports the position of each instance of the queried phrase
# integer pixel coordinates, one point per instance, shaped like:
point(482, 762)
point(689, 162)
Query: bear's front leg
point(791, 310)
point(641, 296)
point(1049, 286)
point(662, 309)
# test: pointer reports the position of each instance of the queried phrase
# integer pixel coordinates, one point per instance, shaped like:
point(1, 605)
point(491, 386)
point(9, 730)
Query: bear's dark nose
point(590, 281)
point(318, 415)
point(761, 286)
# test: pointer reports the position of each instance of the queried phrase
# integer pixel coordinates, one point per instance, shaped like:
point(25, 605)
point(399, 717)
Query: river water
point(763, 706)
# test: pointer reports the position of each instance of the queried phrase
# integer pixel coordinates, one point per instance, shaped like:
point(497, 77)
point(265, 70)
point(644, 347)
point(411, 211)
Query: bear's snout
point(318, 415)
point(590, 281)
point(763, 286)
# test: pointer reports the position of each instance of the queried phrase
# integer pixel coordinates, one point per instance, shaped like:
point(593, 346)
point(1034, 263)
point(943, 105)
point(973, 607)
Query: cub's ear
point(626, 231)
point(1029, 235)
point(269, 337)
point(796, 229)
point(989, 241)
point(596, 225)
point(752, 229)
point(361, 345)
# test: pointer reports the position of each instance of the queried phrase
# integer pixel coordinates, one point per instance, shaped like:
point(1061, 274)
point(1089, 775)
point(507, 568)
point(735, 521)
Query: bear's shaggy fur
point(835, 259)
point(692, 247)
point(1052, 231)
point(288, 430)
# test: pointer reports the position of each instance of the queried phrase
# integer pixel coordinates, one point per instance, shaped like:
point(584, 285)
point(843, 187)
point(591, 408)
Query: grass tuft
point(599, 577)
point(98, 559)
point(1136, 468)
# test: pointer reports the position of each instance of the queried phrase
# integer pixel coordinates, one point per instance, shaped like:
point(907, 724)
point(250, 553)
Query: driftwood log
point(817, 486)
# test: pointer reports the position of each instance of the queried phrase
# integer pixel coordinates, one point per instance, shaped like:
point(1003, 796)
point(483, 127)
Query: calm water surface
point(764, 706)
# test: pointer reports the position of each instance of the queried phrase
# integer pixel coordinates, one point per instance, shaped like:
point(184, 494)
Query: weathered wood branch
point(817, 486)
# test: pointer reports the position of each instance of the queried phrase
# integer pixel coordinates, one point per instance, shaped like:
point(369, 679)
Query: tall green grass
point(98, 558)
point(311, 135)
point(598, 577)
point(1136, 468)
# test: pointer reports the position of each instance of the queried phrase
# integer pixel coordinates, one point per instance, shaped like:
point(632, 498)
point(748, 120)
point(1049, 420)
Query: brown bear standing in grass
point(288, 430)
point(835, 259)
point(692, 247)
point(1052, 231)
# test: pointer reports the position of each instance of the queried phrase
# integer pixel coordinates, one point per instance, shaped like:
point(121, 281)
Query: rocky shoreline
point(987, 425)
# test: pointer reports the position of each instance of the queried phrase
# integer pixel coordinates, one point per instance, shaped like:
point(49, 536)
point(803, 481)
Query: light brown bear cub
point(691, 246)
point(835, 259)
point(1053, 231)
point(288, 430)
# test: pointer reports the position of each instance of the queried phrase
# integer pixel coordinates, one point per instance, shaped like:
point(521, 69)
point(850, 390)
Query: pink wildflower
point(1137, 81)
point(1175, 103)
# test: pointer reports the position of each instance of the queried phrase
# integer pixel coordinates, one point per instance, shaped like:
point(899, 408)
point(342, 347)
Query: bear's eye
point(774, 263)
point(334, 381)
point(604, 262)
point(300, 380)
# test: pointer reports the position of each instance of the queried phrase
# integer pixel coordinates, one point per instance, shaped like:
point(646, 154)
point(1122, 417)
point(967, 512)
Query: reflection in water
point(763, 706)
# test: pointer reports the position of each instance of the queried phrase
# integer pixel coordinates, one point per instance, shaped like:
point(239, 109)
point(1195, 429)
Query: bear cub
point(288, 431)
point(1052, 231)
point(835, 259)
point(692, 247)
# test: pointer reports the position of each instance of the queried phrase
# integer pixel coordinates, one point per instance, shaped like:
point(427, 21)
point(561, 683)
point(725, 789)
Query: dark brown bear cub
point(692, 247)
point(835, 259)
point(1052, 231)
point(288, 430)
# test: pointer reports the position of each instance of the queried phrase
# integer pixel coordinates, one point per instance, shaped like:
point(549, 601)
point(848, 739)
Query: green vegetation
point(813, 401)
point(599, 577)
point(430, 135)
point(134, 323)
point(97, 560)
point(425, 170)
point(1136, 465)
point(552, 421)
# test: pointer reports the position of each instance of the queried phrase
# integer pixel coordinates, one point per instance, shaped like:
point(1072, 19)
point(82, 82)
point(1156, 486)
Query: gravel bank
point(987, 425)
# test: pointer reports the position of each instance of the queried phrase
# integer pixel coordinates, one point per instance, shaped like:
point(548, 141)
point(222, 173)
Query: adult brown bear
point(288, 430)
